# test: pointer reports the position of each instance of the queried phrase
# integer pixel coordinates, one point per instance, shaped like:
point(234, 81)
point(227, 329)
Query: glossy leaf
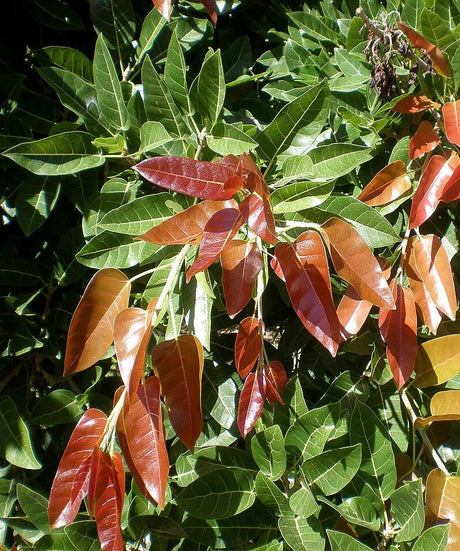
point(401, 336)
point(352, 312)
point(451, 190)
point(251, 402)
point(442, 504)
point(200, 179)
point(335, 160)
point(424, 140)
point(164, 7)
point(433, 539)
point(444, 406)
point(451, 118)
point(386, 186)
point(258, 214)
point(248, 345)
point(179, 364)
point(217, 234)
point(91, 328)
point(241, 263)
point(210, 89)
point(415, 104)
point(65, 499)
point(355, 263)
point(276, 377)
point(437, 361)
point(440, 63)
point(431, 188)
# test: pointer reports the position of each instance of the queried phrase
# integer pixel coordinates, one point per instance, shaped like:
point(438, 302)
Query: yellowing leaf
point(444, 406)
point(437, 361)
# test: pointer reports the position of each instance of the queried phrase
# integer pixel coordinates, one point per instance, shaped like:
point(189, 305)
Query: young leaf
point(424, 140)
point(401, 336)
point(352, 312)
point(65, 500)
point(431, 188)
point(241, 263)
point(355, 263)
point(258, 214)
point(217, 233)
point(276, 381)
point(248, 345)
point(387, 185)
point(439, 60)
point(451, 118)
point(304, 266)
point(251, 402)
point(200, 179)
point(452, 188)
point(415, 104)
point(91, 327)
point(179, 364)
point(164, 7)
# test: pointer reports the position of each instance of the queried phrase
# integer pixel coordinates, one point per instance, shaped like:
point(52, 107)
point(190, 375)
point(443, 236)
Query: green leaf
point(333, 470)
point(219, 395)
point(15, 444)
point(378, 463)
point(343, 542)
point(115, 20)
point(357, 510)
point(228, 139)
point(302, 534)
point(268, 452)
point(271, 496)
point(296, 167)
point(55, 14)
point(70, 59)
point(18, 272)
point(108, 88)
point(294, 404)
point(175, 74)
point(162, 527)
point(34, 506)
point(219, 494)
point(433, 539)
point(35, 200)
point(303, 503)
point(57, 407)
point(153, 135)
point(57, 155)
point(151, 29)
point(408, 511)
point(300, 196)
point(334, 160)
point(435, 29)
point(316, 27)
point(209, 95)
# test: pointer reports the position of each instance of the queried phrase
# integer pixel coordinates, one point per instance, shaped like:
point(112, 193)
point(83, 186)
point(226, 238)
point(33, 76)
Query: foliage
point(229, 276)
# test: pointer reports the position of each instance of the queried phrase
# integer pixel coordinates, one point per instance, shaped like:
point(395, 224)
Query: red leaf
point(196, 178)
point(306, 271)
point(186, 226)
point(415, 104)
point(91, 327)
point(402, 336)
point(255, 181)
point(251, 402)
point(258, 214)
point(354, 262)
point(352, 312)
point(452, 188)
point(440, 63)
point(277, 268)
point(248, 345)
point(164, 7)
point(142, 430)
point(431, 188)
point(383, 313)
point(387, 185)
point(276, 379)
point(241, 263)
point(209, 5)
point(451, 118)
point(179, 364)
point(65, 499)
point(424, 140)
point(218, 232)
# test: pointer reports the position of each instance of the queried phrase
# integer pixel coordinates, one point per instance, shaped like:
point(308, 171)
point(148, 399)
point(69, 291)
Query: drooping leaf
point(424, 140)
point(352, 312)
point(431, 188)
point(258, 214)
point(241, 263)
point(248, 345)
point(65, 499)
point(91, 329)
point(251, 402)
point(415, 104)
point(437, 361)
point(439, 60)
point(305, 269)
point(444, 406)
point(276, 377)
point(387, 185)
point(217, 234)
point(179, 364)
point(451, 118)
point(200, 179)
point(355, 263)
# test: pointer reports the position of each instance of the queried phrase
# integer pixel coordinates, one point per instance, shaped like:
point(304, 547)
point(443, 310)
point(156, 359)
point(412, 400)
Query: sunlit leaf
point(241, 263)
point(415, 104)
point(268, 451)
point(251, 402)
point(258, 214)
point(451, 190)
point(437, 361)
point(91, 328)
point(439, 60)
point(179, 364)
point(444, 406)
point(344, 542)
point(276, 381)
point(352, 312)
point(451, 118)
point(164, 7)
point(248, 345)
point(302, 534)
point(408, 511)
point(387, 185)
point(424, 140)
point(433, 539)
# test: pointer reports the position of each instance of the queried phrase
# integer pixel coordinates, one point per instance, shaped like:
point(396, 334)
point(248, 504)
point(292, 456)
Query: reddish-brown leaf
point(179, 364)
point(387, 185)
point(187, 226)
point(132, 330)
point(415, 104)
point(142, 430)
point(65, 499)
point(440, 63)
point(248, 345)
point(452, 188)
point(402, 336)
point(241, 263)
point(354, 262)
point(424, 140)
point(352, 312)
point(451, 118)
point(431, 188)
point(276, 379)
point(304, 266)
point(91, 328)
point(258, 214)
point(201, 179)
point(164, 7)
point(384, 313)
point(277, 268)
point(433, 267)
point(251, 402)
point(255, 181)
point(209, 5)
point(218, 232)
